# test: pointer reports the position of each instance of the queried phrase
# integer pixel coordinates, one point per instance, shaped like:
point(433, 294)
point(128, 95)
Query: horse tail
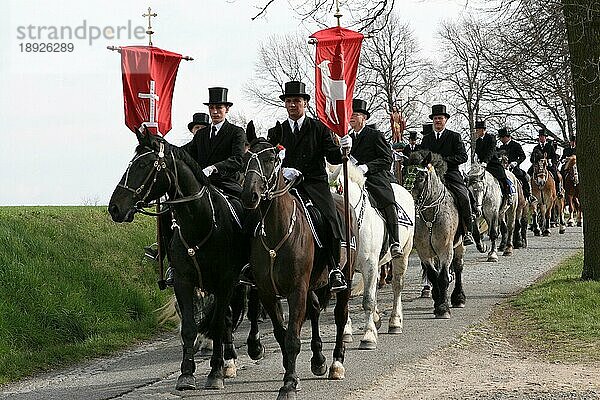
point(167, 313)
point(238, 305)
point(324, 295)
point(205, 315)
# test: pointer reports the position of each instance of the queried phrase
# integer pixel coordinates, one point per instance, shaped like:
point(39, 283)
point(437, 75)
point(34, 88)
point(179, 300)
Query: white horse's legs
point(347, 336)
point(399, 266)
point(370, 275)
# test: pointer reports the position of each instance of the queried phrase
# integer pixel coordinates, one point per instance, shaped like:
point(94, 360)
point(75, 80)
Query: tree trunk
point(583, 28)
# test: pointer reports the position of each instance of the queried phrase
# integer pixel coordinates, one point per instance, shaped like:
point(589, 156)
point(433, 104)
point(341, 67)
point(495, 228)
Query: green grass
point(73, 285)
point(558, 317)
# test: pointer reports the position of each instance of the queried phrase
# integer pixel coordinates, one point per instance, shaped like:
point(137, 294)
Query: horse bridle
point(420, 205)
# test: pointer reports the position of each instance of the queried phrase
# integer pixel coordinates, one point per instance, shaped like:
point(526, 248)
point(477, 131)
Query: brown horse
point(288, 263)
point(571, 179)
point(544, 190)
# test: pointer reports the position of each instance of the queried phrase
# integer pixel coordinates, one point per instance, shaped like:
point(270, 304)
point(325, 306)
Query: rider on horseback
point(568, 152)
point(545, 147)
point(515, 155)
point(372, 155)
point(450, 146)
point(307, 143)
point(485, 148)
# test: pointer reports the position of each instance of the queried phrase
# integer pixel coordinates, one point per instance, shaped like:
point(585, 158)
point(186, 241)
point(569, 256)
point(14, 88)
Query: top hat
point(543, 132)
point(199, 119)
point(503, 132)
point(412, 135)
point(360, 106)
point(427, 129)
point(218, 95)
point(479, 124)
point(294, 89)
point(438, 109)
point(572, 138)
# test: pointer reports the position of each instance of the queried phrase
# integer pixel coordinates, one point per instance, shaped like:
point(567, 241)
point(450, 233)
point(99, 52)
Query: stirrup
point(151, 252)
point(468, 239)
point(396, 250)
point(337, 282)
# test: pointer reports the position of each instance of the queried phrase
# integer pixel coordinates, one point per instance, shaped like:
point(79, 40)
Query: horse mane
point(536, 155)
point(438, 163)
point(571, 161)
point(356, 176)
point(181, 154)
point(476, 170)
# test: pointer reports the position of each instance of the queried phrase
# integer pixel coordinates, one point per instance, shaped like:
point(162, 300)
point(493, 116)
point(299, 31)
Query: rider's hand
point(290, 173)
point(208, 171)
point(346, 142)
point(513, 164)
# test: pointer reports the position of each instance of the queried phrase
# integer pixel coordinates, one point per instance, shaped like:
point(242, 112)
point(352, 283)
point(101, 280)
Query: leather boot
point(391, 219)
point(337, 281)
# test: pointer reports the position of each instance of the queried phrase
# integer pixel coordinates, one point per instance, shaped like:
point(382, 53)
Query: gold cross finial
point(149, 31)
point(337, 14)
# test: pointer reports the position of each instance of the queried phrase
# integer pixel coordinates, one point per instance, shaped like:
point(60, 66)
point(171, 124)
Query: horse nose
point(113, 210)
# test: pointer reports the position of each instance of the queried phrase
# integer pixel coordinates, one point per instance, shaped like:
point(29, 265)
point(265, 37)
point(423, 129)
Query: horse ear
point(275, 134)
point(142, 135)
point(250, 132)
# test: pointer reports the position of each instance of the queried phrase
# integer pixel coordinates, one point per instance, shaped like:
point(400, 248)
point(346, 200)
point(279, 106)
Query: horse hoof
point(546, 233)
point(395, 330)
point(579, 224)
point(214, 383)
point(536, 233)
point(483, 248)
point(347, 338)
point(493, 257)
point(256, 352)
point(337, 371)
point(426, 293)
point(186, 382)
point(229, 369)
point(319, 370)
point(444, 315)
point(367, 345)
point(286, 394)
point(378, 324)
point(458, 305)
point(562, 231)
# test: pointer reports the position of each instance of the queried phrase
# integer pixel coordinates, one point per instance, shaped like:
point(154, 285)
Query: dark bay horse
point(544, 190)
point(571, 179)
point(207, 248)
point(436, 239)
point(287, 263)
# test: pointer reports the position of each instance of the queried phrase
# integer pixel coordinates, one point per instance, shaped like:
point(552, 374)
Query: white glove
point(353, 160)
point(281, 154)
point(513, 164)
point(208, 171)
point(363, 168)
point(291, 173)
point(346, 142)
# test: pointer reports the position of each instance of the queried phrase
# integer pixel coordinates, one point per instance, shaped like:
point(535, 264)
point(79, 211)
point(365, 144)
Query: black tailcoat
point(568, 152)
point(371, 149)
point(307, 152)
point(224, 151)
point(485, 148)
point(513, 151)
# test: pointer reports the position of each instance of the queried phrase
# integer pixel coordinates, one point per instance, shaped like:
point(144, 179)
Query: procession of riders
point(218, 147)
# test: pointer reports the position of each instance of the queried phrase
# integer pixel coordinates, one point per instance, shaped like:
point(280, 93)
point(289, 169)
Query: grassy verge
point(73, 285)
point(557, 317)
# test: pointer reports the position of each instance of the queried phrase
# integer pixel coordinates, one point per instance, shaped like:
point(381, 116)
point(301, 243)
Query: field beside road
point(73, 285)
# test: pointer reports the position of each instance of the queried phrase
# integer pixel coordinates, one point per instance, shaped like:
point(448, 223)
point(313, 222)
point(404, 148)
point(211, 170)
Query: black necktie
point(296, 130)
point(213, 132)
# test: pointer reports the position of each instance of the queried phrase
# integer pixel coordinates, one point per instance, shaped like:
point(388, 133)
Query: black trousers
point(455, 183)
point(497, 170)
point(524, 178)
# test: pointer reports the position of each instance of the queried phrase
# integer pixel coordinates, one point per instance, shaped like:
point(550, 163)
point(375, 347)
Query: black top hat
point(218, 95)
point(572, 138)
point(412, 135)
point(360, 106)
point(427, 129)
point(543, 132)
point(199, 119)
point(503, 132)
point(438, 109)
point(293, 89)
point(479, 124)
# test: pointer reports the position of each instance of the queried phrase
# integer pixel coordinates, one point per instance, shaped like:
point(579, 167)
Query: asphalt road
point(149, 371)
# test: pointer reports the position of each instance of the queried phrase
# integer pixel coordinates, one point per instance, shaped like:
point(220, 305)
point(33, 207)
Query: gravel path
point(459, 358)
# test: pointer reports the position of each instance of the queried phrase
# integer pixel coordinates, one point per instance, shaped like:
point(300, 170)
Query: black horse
point(287, 263)
point(207, 249)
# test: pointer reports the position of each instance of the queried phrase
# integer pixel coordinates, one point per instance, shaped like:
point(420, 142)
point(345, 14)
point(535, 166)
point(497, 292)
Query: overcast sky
point(63, 137)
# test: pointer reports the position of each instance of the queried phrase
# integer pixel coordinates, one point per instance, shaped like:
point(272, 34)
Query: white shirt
point(438, 134)
point(300, 121)
point(218, 126)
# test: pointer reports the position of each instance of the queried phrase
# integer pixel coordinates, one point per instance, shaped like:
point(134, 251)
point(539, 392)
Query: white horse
point(369, 253)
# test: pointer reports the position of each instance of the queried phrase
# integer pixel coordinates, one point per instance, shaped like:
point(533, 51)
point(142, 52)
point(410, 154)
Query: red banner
point(338, 50)
point(148, 82)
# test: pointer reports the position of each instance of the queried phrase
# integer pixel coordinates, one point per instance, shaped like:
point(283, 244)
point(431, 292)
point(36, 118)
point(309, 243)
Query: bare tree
point(281, 58)
point(391, 72)
point(361, 15)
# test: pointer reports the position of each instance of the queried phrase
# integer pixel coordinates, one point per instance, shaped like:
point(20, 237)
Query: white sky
point(63, 137)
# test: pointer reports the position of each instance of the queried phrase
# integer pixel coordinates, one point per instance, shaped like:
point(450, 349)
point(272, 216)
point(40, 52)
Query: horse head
point(540, 167)
point(150, 174)
point(503, 157)
point(476, 184)
point(261, 165)
point(424, 171)
point(571, 169)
